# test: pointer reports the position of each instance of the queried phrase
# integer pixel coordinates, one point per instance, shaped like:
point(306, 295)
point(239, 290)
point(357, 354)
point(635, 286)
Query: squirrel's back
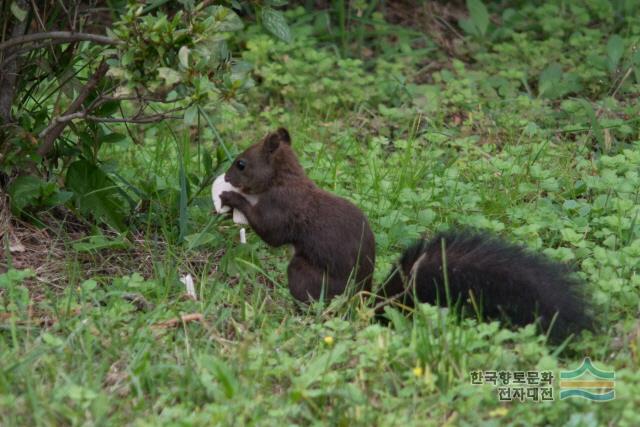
point(334, 233)
point(492, 277)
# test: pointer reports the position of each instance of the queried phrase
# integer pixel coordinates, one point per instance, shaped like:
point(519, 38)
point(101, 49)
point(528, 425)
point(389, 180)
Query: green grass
point(476, 146)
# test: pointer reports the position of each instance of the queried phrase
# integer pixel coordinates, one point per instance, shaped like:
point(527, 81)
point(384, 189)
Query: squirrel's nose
point(226, 178)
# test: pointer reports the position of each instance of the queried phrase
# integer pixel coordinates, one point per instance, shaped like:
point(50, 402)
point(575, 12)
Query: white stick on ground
point(188, 283)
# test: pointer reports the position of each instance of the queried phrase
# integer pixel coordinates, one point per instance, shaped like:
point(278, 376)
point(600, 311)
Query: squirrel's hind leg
point(308, 282)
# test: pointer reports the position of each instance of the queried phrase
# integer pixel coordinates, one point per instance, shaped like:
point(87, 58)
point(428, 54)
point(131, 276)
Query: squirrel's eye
point(240, 164)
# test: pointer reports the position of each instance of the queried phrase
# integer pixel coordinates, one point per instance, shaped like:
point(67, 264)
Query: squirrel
point(334, 244)
point(332, 239)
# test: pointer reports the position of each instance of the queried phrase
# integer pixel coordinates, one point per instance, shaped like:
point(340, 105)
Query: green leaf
point(89, 285)
point(595, 123)
point(468, 27)
point(479, 16)
point(276, 3)
point(188, 4)
point(226, 377)
point(117, 72)
point(275, 23)
point(107, 109)
point(112, 138)
point(14, 276)
point(52, 340)
point(207, 162)
point(58, 198)
point(615, 50)
point(183, 55)
point(18, 12)
point(169, 75)
point(190, 115)
point(317, 366)
point(24, 191)
point(95, 192)
point(549, 80)
point(183, 216)
point(199, 239)
point(32, 192)
point(226, 20)
point(98, 242)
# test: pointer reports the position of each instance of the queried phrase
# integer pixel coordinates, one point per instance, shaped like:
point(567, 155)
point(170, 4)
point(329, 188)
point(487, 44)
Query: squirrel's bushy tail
point(497, 279)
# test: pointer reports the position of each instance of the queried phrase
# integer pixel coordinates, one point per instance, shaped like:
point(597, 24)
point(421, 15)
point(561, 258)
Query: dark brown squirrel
point(332, 238)
point(334, 244)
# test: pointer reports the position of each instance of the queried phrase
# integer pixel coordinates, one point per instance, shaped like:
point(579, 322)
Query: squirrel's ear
point(283, 135)
point(273, 140)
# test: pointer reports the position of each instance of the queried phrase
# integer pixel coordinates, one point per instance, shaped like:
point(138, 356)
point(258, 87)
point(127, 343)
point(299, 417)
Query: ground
point(526, 127)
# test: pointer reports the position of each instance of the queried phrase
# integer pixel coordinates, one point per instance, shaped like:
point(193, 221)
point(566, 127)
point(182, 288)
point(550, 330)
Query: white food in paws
point(219, 186)
point(239, 218)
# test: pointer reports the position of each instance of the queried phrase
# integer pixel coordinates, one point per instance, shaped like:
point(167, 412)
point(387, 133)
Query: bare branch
point(137, 118)
point(56, 127)
point(29, 48)
point(153, 118)
point(142, 99)
point(64, 36)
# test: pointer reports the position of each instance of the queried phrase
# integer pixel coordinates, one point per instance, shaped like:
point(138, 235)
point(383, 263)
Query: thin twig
point(177, 321)
point(37, 15)
point(140, 120)
point(103, 99)
point(66, 36)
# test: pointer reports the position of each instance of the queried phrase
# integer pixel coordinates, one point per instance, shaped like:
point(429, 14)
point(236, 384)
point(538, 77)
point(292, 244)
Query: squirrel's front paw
point(232, 199)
